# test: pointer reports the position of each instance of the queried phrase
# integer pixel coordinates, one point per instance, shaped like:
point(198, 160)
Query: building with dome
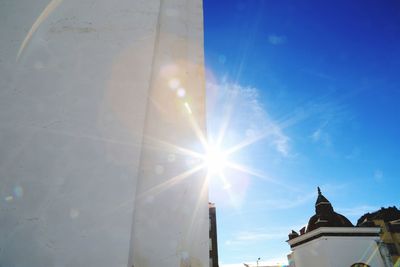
point(331, 240)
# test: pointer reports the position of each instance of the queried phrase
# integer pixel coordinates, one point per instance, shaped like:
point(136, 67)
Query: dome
point(325, 216)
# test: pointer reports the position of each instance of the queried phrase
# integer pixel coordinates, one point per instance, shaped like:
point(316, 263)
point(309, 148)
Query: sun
point(215, 160)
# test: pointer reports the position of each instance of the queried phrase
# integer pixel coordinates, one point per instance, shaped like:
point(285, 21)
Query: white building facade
point(337, 246)
point(102, 104)
point(330, 240)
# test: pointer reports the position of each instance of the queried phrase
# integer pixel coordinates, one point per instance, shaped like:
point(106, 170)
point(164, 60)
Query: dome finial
point(319, 191)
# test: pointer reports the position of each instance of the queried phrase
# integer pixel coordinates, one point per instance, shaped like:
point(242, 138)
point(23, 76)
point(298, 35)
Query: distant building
point(213, 235)
point(331, 240)
point(260, 265)
point(388, 219)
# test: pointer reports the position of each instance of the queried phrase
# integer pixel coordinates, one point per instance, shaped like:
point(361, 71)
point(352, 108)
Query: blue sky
point(315, 87)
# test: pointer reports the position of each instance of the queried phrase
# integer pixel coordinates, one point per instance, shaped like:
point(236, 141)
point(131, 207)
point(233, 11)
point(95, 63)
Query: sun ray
point(246, 143)
point(170, 182)
point(195, 127)
point(226, 120)
point(203, 192)
point(214, 159)
point(255, 173)
point(224, 180)
point(224, 127)
point(227, 186)
point(178, 149)
point(371, 256)
point(189, 110)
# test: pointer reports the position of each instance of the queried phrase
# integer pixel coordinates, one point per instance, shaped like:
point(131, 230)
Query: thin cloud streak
point(244, 108)
point(247, 237)
point(286, 203)
point(357, 211)
point(276, 39)
point(378, 175)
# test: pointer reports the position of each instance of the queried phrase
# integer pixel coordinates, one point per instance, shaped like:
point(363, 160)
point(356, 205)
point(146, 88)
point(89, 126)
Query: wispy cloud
point(329, 117)
point(258, 235)
point(321, 136)
point(317, 74)
point(354, 213)
point(245, 114)
point(316, 135)
point(378, 175)
point(276, 39)
point(354, 153)
point(287, 202)
point(252, 236)
point(246, 236)
point(357, 211)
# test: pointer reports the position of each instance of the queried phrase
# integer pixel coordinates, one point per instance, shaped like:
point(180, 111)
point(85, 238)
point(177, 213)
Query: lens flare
point(212, 156)
point(174, 83)
point(181, 92)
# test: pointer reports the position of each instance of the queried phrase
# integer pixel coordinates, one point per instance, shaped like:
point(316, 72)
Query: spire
point(322, 205)
point(321, 198)
point(325, 216)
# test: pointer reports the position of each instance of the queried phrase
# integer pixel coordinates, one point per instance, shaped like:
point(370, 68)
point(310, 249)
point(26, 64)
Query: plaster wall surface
point(338, 252)
point(172, 187)
point(78, 101)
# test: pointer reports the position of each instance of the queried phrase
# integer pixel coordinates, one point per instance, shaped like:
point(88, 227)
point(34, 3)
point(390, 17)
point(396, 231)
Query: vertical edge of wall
point(170, 225)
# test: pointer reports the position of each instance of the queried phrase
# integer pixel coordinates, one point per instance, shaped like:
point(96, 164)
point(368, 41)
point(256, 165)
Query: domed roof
point(325, 216)
point(386, 214)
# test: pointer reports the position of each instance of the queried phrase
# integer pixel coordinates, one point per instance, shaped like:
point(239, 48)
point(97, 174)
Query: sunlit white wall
point(338, 251)
point(75, 77)
point(170, 226)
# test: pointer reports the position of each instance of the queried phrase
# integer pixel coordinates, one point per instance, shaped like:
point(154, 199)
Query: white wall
point(170, 225)
point(338, 252)
point(74, 80)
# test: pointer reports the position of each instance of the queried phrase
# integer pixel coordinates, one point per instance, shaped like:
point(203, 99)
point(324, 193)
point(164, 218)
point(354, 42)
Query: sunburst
point(214, 159)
